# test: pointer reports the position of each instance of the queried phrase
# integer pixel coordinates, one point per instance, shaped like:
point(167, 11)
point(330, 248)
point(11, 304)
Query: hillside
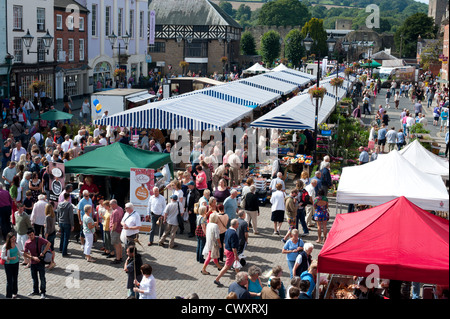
point(392, 13)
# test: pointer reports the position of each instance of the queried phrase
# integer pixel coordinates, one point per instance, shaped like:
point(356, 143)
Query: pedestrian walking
point(10, 256)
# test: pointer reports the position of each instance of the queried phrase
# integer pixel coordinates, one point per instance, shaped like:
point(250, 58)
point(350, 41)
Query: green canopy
point(372, 65)
point(55, 115)
point(116, 160)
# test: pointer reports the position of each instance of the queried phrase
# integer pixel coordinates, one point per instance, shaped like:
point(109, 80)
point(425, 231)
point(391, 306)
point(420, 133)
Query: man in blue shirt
point(382, 137)
point(230, 206)
point(364, 156)
point(231, 243)
point(318, 177)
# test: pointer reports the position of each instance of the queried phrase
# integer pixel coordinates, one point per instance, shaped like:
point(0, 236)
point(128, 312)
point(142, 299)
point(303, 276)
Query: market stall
point(389, 177)
point(394, 227)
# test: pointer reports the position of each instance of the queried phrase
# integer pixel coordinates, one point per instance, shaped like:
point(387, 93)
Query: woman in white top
point(147, 287)
point(278, 207)
point(213, 244)
point(86, 108)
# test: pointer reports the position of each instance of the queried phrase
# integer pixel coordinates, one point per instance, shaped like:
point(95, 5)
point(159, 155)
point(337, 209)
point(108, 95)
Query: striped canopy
point(269, 83)
point(193, 112)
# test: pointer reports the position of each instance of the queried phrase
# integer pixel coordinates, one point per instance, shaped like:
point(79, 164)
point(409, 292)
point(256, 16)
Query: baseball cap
point(175, 197)
point(191, 183)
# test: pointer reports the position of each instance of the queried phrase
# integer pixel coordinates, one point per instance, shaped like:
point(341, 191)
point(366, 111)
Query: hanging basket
point(348, 71)
point(336, 82)
point(37, 85)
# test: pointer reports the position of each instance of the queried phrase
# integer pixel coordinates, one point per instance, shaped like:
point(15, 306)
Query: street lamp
point(113, 40)
point(9, 58)
point(47, 41)
point(308, 42)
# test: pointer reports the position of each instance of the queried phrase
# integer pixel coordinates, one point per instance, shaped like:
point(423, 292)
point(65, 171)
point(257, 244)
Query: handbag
point(180, 219)
point(243, 202)
point(47, 258)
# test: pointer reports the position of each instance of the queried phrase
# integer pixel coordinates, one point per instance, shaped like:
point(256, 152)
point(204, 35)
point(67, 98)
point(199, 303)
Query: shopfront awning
point(141, 97)
point(193, 112)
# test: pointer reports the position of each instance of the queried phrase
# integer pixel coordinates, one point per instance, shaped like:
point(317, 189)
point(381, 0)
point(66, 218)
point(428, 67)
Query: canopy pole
point(317, 285)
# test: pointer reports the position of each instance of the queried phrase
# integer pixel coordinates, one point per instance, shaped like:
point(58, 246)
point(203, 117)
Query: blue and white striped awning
point(298, 113)
point(194, 112)
point(300, 74)
point(290, 78)
point(270, 84)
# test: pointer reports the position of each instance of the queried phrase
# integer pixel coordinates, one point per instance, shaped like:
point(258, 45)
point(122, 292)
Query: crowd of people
point(203, 202)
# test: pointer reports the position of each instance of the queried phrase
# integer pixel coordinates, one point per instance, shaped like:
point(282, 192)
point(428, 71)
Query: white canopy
point(263, 81)
point(425, 160)
point(279, 67)
point(193, 112)
point(389, 177)
point(256, 69)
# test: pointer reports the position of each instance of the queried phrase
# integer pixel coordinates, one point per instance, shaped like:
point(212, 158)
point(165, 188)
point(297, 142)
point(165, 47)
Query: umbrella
point(372, 65)
point(55, 115)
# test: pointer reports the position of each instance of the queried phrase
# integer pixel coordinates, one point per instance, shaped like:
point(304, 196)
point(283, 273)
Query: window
point(17, 17)
point(41, 50)
point(18, 50)
point(94, 20)
point(71, 50)
point(119, 22)
point(70, 23)
point(141, 24)
point(197, 49)
point(81, 26)
point(40, 19)
point(107, 21)
point(157, 47)
point(59, 50)
point(59, 23)
point(81, 49)
point(131, 23)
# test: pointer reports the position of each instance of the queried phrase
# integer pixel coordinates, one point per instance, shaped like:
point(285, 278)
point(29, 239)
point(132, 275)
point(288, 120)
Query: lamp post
point(113, 40)
point(47, 40)
point(9, 58)
point(308, 42)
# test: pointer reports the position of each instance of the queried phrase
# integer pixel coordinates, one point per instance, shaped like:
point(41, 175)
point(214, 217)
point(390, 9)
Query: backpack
point(305, 198)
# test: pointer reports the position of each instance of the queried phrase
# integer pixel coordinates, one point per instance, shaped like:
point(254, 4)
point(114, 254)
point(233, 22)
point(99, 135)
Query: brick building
point(196, 31)
point(71, 52)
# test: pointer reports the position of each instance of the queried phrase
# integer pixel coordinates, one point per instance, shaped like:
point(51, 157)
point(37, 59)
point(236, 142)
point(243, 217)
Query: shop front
point(22, 78)
point(103, 76)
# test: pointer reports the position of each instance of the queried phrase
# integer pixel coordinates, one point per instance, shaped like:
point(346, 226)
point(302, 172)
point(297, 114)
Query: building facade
point(37, 63)
point(4, 64)
point(71, 49)
point(198, 32)
point(118, 17)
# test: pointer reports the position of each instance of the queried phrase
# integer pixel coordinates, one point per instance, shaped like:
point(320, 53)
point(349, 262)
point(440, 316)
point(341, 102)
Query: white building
point(36, 17)
point(118, 17)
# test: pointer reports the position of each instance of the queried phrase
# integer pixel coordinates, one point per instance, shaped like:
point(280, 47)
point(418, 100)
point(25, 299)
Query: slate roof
point(63, 4)
point(190, 12)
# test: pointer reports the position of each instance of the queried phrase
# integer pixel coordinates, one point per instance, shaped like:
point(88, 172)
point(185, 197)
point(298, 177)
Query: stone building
point(195, 31)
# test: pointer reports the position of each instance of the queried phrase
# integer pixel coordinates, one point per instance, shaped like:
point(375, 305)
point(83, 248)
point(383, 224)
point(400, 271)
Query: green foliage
point(318, 34)
point(283, 13)
point(270, 46)
point(294, 48)
point(415, 25)
point(227, 7)
point(430, 55)
point(248, 46)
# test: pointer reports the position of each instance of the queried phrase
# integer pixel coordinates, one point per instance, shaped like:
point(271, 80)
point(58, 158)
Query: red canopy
point(404, 241)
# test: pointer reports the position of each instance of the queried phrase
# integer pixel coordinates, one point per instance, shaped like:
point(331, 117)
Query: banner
point(151, 33)
point(57, 180)
point(142, 181)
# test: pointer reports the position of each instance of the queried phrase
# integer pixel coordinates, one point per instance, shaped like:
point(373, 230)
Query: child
point(277, 271)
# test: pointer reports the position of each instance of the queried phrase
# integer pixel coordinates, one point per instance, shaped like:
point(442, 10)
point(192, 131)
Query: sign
point(151, 33)
point(142, 181)
point(57, 180)
point(148, 58)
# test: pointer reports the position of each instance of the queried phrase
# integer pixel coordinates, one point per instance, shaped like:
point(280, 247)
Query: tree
point(248, 45)
point(283, 13)
point(407, 34)
point(430, 55)
point(317, 32)
point(270, 46)
point(294, 48)
point(227, 7)
point(319, 12)
point(244, 12)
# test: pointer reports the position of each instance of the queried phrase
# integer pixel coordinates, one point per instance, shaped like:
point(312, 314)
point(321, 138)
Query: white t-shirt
point(86, 107)
point(148, 285)
point(67, 145)
point(131, 220)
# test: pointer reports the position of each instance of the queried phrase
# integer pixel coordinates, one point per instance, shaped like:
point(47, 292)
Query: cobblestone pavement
point(176, 270)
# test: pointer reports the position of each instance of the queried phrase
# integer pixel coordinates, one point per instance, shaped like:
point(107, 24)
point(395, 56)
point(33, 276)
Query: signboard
point(142, 181)
point(57, 180)
point(151, 34)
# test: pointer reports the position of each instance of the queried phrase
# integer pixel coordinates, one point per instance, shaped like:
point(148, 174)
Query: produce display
point(344, 291)
point(298, 159)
